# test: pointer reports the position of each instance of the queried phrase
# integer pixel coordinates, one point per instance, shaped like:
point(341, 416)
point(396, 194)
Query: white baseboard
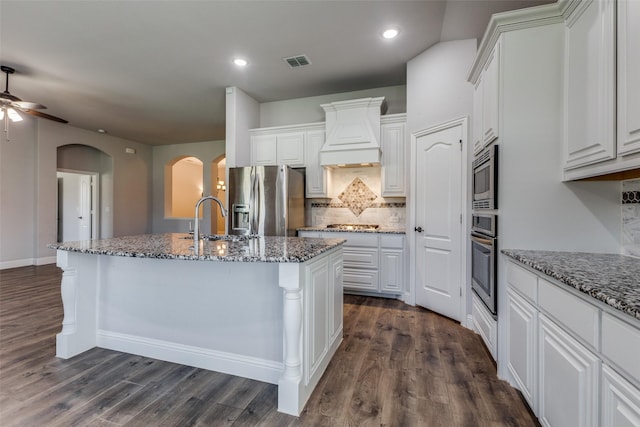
point(228, 363)
point(27, 262)
point(16, 263)
point(45, 260)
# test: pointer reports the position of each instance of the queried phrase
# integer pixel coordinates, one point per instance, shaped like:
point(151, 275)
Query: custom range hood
point(352, 132)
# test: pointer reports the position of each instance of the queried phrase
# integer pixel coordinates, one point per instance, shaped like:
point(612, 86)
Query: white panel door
point(84, 208)
point(438, 259)
point(620, 400)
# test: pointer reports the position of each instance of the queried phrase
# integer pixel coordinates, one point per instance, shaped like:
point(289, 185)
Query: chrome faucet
point(196, 228)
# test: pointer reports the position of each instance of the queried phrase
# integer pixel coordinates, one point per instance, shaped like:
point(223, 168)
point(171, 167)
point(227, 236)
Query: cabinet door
point(568, 379)
point(317, 308)
point(522, 326)
point(290, 149)
point(590, 84)
point(391, 270)
point(620, 401)
point(491, 96)
point(263, 150)
point(336, 308)
point(628, 76)
point(393, 160)
point(478, 138)
point(316, 175)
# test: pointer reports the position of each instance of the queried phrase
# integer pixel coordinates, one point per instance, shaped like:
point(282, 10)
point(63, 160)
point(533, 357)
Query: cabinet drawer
point(360, 257)
point(621, 344)
point(523, 281)
point(581, 318)
point(392, 241)
point(356, 278)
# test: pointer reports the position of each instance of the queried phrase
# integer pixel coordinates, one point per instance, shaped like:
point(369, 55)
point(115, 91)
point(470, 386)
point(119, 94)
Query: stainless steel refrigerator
point(266, 200)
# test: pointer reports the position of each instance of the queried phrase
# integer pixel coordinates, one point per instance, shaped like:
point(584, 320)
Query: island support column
point(290, 393)
point(78, 291)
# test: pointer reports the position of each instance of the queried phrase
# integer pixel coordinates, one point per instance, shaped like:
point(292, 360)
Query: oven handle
point(482, 240)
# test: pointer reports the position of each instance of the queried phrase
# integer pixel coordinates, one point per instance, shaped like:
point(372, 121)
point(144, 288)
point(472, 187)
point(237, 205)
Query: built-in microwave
point(485, 179)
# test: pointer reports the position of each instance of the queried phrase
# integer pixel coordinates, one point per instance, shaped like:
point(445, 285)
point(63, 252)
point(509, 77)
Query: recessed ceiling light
point(390, 33)
point(240, 62)
point(102, 131)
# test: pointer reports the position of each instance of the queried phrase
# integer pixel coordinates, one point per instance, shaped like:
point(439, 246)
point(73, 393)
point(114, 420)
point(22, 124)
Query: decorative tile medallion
point(357, 196)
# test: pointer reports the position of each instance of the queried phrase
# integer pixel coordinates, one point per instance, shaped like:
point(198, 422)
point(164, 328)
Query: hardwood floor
point(397, 366)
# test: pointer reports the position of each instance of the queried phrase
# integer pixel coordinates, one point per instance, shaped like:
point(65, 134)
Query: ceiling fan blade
point(28, 105)
point(45, 116)
point(7, 95)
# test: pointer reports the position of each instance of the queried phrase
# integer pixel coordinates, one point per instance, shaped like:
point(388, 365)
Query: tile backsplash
point(357, 200)
point(631, 217)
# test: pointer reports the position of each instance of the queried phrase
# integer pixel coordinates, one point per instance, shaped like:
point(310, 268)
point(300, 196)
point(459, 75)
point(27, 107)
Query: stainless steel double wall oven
point(484, 228)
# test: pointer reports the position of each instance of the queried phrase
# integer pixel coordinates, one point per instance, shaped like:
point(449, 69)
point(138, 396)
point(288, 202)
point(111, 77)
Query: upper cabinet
point(590, 83)
point(491, 96)
point(317, 177)
point(592, 147)
point(628, 76)
point(486, 99)
point(277, 146)
point(393, 162)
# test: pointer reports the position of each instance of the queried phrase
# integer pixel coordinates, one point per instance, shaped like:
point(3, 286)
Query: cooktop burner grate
point(354, 226)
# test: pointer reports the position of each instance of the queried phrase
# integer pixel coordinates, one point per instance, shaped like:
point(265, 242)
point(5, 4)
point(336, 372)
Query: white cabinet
point(374, 263)
point(491, 96)
point(628, 76)
point(392, 263)
point(620, 401)
point(568, 379)
point(602, 75)
point(575, 362)
point(277, 146)
point(590, 83)
point(393, 162)
point(486, 102)
point(478, 140)
point(317, 177)
point(521, 345)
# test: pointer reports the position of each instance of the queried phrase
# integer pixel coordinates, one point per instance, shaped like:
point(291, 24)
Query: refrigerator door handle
point(281, 200)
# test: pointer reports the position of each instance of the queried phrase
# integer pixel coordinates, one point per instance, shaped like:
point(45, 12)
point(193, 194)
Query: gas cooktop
point(354, 226)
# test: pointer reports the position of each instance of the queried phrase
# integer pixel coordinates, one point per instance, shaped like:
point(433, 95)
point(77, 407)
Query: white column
point(290, 399)
point(78, 291)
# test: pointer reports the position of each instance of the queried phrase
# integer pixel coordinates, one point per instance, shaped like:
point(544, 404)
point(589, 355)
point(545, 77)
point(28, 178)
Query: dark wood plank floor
point(398, 366)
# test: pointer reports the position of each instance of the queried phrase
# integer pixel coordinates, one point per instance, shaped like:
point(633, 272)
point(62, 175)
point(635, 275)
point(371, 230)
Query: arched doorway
point(85, 189)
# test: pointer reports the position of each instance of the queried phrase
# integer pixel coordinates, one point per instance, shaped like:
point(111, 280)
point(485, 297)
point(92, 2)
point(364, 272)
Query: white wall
point(308, 110)
point(242, 114)
point(29, 187)
point(437, 87)
point(207, 152)
point(17, 194)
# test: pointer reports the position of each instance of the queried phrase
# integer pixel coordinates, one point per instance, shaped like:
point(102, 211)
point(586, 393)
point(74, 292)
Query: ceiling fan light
point(13, 115)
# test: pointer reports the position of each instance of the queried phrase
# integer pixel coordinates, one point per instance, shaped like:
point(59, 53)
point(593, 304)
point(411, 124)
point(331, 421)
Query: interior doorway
point(438, 262)
point(77, 206)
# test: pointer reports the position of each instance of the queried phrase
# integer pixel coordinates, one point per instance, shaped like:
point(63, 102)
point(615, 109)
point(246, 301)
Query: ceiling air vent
point(297, 61)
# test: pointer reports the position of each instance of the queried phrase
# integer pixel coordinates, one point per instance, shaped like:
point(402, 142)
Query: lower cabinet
point(374, 263)
point(575, 362)
point(620, 400)
point(522, 327)
point(568, 376)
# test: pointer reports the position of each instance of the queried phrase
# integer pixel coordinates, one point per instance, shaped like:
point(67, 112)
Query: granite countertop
point(180, 246)
point(611, 278)
point(380, 230)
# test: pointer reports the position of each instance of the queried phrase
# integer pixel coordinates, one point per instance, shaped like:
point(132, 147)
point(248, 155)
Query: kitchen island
point(265, 308)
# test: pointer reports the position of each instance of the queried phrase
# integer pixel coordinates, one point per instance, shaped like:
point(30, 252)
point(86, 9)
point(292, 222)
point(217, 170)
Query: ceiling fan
point(11, 104)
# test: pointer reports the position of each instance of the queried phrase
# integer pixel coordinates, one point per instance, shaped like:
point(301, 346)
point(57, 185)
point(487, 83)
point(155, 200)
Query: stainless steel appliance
point(484, 244)
point(485, 179)
point(265, 200)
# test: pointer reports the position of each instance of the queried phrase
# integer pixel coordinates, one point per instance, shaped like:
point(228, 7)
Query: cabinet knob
point(418, 229)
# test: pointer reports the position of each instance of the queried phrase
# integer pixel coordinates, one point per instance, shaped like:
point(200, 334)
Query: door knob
point(418, 229)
